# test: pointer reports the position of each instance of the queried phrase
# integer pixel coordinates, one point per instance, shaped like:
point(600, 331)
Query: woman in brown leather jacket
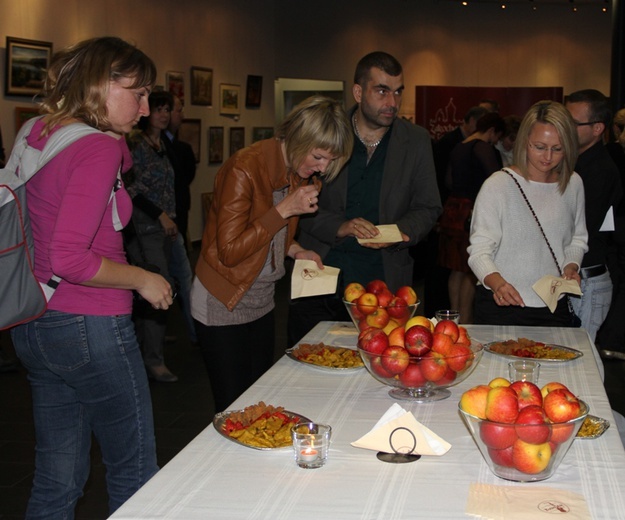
point(258, 196)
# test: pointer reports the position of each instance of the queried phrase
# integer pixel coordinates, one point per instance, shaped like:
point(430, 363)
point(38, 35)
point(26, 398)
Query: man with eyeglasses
point(603, 191)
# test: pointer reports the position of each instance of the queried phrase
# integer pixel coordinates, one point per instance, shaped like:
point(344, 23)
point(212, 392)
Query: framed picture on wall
point(190, 131)
point(261, 132)
point(26, 64)
point(253, 92)
point(215, 144)
point(202, 86)
point(237, 138)
point(23, 114)
point(229, 99)
point(174, 81)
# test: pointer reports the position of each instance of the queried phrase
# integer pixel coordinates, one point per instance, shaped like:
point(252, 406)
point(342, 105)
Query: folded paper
point(389, 234)
point(521, 503)
point(308, 280)
point(399, 432)
point(549, 288)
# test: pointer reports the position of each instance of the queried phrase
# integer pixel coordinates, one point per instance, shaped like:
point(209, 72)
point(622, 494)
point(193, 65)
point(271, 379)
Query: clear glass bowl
point(529, 459)
point(421, 380)
point(359, 313)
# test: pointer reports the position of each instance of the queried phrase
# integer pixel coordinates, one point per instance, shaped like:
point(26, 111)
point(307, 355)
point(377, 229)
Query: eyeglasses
point(541, 148)
point(587, 123)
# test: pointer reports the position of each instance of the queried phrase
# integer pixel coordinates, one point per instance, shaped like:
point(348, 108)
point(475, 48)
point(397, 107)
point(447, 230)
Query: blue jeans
point(593, 306)
point(180, 270)
point(87, 376)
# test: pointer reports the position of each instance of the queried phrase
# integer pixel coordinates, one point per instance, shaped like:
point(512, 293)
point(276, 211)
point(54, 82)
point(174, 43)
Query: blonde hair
point(552, 113)
point(317, 122)
point(78, 78)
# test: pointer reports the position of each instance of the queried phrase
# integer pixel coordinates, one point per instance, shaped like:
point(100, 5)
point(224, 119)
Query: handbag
point(575, 320)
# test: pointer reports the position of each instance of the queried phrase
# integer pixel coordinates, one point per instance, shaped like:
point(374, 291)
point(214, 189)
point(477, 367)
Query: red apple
point(499, 381)
point(363, 325)
point(384, 298)
point(561, 405)
point(463, 336)
point(502, 405)
point(420, 320)
point(433, 366)
point(530, 458)
point(501, 457)
point(441, 343)
point(356, 314)
point(528, 393)
point(473, 401)
point(367, 303)
point(448, 377)
point(376, 286)
point(407, 293)
point(396, 336)
point(390, 327)
point(376, 366)
point(554, 385)
point(412, 377)
point(448, 327)
point(496, 435)
point(395, 359)
point(532, 426)
point(418, 340)
point(378, 318)
point(353, 291)
point(373, 340)
point(459, 357)
point(398, 308)
point(561, 433)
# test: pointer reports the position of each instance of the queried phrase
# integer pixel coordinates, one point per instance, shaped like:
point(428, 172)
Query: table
point(216, 478)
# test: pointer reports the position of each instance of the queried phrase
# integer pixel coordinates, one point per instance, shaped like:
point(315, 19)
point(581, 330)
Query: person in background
point(505, 145)
point(603, 193)
point(153, 228)
point(390, 179)
point(83, 359)
point(182, 158)
point(507, 251)
point(259, 194)
point(490, 104)
point(471, 162)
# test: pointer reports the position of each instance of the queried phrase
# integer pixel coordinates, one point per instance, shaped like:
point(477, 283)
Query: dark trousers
point(305, 313)
point(236, 356)
point(487, 312)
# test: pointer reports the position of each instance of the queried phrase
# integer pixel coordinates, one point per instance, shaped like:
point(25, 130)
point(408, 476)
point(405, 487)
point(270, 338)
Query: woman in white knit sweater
point(508, 252)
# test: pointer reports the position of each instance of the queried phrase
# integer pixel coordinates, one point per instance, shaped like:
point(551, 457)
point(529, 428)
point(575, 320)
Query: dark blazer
point(408, 197)
point(182, 159)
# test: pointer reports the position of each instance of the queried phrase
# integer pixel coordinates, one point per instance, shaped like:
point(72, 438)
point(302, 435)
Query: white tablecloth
point(218, 479)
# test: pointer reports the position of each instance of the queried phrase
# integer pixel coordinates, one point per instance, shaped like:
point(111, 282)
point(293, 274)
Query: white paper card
point(389, 234)
point(308, 280)
point(608, 221)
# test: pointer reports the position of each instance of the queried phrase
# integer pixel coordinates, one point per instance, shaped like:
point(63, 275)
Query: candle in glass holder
point(310, 444)
point(308, 455)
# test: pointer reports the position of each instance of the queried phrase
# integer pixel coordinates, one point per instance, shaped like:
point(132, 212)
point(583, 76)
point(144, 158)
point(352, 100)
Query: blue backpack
point(22, 296)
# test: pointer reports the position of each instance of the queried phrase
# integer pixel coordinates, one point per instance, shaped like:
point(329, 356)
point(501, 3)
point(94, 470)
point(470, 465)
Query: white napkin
point(523, 502)
point(308, 280)
point(378, 439)
point(389, 234)
point(549, 288)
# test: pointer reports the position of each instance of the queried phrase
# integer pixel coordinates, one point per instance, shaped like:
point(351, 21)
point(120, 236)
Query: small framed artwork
point(261, 132)
point(202, 86)
point(215, 144)
point(253, 92)
point(175, 84)
point(23, 114)
point(190, 131)
point(26, 64)
point(237, 138)
point(229, 99)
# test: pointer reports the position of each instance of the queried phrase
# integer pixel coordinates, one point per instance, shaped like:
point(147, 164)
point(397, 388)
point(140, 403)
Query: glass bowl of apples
point(525, 444)
point(420, 361)
point(374, 305)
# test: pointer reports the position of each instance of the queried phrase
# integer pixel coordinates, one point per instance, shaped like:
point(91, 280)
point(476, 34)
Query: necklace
point(368, 145)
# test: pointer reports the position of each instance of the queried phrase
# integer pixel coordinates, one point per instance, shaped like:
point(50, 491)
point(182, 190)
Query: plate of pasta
point(326, 357)
point(527, 348)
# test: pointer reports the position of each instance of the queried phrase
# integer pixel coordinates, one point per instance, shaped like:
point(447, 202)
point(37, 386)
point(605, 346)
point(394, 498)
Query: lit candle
point(309, 455)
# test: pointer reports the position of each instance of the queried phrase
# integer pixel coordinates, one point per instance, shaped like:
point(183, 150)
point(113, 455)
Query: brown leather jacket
point(242, 220)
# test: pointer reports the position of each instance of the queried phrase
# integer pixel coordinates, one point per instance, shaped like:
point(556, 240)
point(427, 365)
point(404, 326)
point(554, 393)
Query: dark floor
point(181, 411)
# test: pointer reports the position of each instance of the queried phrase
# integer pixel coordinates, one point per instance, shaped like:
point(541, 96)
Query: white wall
point(438, 42)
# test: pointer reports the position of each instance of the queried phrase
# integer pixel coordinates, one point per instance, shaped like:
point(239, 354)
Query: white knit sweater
point(505, 237)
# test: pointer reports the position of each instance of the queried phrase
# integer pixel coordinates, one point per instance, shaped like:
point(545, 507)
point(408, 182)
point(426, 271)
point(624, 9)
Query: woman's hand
point(299, 202)
point(169, 226)
point(571, 273)
point(297, 252)
point(504, 293)
point(155, 290)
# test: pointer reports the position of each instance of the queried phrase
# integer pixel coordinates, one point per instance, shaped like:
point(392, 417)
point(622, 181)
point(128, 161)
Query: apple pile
point(377, 307)
point(522, 425)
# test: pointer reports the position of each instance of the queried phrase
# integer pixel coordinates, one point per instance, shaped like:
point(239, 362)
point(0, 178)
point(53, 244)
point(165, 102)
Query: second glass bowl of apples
point(426, 365)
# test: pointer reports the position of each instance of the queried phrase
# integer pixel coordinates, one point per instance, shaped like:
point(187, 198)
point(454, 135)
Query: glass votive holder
point(311, 442)
point(447, 314)
point(524, 370)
